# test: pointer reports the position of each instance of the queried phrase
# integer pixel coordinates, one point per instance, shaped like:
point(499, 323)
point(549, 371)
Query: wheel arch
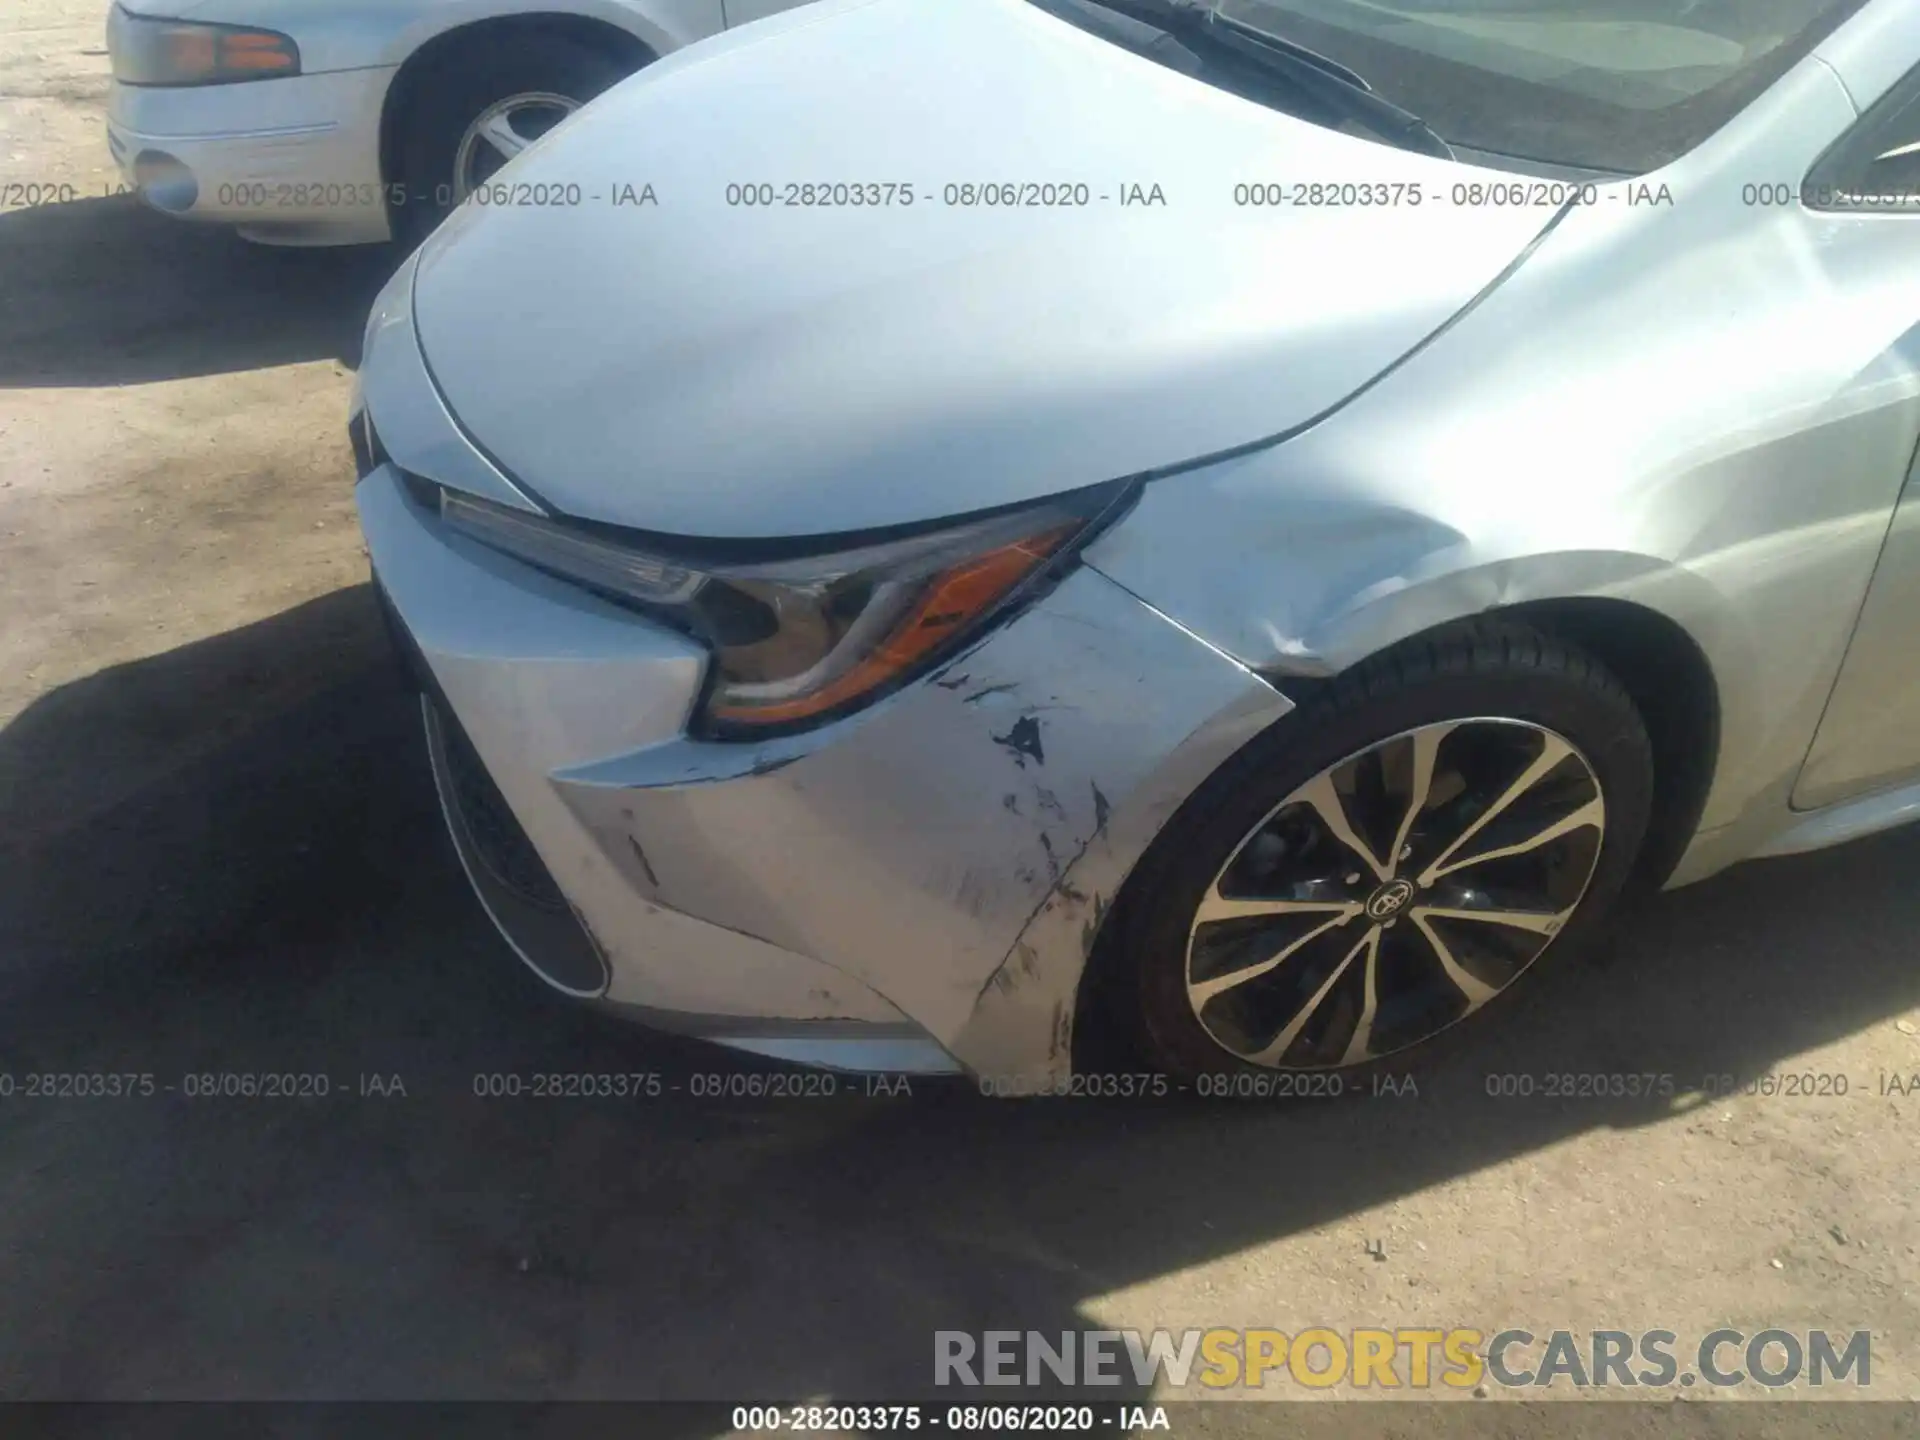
point(1666, 673)
point(446, 46)
point(1674, 688)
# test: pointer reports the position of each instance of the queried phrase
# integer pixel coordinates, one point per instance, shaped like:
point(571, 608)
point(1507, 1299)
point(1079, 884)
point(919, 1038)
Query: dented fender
point(1026, 1009)
point(956, 855)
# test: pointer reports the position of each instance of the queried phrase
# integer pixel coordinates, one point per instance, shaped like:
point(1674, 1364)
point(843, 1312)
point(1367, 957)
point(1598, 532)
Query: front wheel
point(1384, 864)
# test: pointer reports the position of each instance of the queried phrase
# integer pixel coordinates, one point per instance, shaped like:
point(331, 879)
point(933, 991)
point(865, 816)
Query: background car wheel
point(1383, 864)
point(479, 109)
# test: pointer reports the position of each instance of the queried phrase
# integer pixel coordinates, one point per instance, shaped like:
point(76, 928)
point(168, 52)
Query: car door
point(1869, 738)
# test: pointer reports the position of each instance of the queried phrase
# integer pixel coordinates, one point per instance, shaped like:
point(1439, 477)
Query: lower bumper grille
point(498, 840)
point(513, 884)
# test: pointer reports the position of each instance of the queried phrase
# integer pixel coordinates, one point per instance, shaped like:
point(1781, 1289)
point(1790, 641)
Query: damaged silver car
point(990, 534)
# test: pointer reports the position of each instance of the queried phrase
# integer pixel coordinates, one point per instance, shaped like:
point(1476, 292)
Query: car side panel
point(1706, 407)
point(354, 34)
point(1870, 737)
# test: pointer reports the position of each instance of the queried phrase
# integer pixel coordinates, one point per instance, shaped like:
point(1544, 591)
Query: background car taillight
point(149, 50)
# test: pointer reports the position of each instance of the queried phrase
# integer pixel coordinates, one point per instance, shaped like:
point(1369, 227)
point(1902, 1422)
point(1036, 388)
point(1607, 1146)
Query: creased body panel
point(917, 854)
point(542, 676)
point(1698, 406)
point(888, 868)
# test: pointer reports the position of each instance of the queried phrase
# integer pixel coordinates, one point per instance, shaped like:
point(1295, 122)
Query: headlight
point(799, 641)
point(149, 51)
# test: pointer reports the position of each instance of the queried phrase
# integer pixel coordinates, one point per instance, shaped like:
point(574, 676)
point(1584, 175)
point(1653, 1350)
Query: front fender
point(1311, 584)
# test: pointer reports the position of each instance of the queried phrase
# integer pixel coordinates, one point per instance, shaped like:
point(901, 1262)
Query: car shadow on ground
point(283, 902)
point(103, 291)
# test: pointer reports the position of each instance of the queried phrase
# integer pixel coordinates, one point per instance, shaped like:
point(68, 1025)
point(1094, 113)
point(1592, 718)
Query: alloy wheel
point(501, 132)
point(1394, 894)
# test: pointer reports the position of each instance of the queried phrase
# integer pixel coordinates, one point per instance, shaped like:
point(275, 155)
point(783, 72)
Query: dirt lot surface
point(220, 854)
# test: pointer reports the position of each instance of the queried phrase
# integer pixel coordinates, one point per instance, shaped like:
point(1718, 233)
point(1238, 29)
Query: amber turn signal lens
point(951, 601)
point(193, 52)
point(265, 54)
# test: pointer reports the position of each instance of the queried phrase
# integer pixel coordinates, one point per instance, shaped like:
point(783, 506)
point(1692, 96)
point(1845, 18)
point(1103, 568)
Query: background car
point(309, 122)
point(949, 602)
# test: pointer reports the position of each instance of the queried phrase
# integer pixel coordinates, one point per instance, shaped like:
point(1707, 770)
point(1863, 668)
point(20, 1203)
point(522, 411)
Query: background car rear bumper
point(290, 161)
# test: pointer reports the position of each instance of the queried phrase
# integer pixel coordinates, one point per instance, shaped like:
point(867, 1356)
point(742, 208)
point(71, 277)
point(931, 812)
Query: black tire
point(460, 89)
point(1135, 1005)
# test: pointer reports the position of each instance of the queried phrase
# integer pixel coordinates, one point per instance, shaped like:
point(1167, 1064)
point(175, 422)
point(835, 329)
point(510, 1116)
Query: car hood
point(633, 343)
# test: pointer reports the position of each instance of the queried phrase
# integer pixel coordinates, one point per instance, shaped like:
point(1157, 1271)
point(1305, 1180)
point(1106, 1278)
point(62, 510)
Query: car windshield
point(1620, 86)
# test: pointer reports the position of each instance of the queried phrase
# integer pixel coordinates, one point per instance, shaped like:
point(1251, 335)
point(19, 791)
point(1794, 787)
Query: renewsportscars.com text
point(1403, 1358)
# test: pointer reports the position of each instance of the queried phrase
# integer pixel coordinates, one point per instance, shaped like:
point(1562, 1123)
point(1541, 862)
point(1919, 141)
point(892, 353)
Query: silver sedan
point(1224, 536)
point(335, 122)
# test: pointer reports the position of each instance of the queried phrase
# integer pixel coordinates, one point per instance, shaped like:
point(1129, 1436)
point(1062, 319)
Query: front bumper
point(915, 886)
point(293, 161)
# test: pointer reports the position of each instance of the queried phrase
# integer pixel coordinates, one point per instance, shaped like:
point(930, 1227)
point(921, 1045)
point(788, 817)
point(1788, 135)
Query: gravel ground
point(220, 853)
